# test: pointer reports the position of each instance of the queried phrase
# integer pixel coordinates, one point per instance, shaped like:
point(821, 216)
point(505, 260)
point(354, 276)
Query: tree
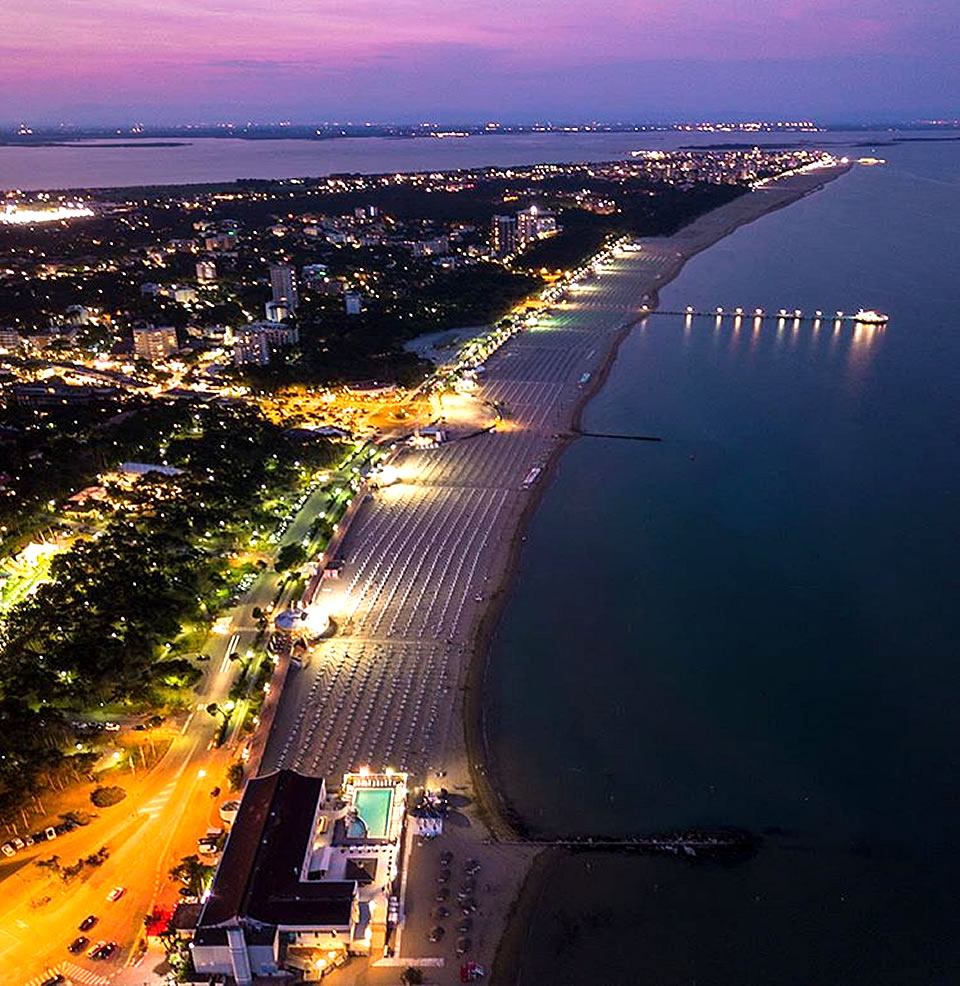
point(291, 555)
point(235, 775)
point(104, 797)
point(193, 874)
point(52, 864)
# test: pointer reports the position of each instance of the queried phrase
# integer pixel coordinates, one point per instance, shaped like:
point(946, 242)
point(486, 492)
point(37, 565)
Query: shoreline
point(494, 807)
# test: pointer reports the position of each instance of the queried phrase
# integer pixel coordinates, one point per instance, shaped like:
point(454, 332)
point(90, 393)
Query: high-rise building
point(503, 235)
point(533, 224)
point(259, 341)
point(154, 342)
point(353, 302)
point(206, 270)
point(527, 226)
point(283, 285)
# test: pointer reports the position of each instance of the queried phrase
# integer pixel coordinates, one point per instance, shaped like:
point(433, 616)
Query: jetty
point(781, 315)
point(697, 844)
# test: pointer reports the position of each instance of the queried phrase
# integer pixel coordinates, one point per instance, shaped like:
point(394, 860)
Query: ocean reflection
point(854, 341)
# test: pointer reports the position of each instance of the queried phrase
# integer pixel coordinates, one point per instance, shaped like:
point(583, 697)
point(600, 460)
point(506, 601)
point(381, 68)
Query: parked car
point(78, 945)
point(88, 922)
point(8, 849)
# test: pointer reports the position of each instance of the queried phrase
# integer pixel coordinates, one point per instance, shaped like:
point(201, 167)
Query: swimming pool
point(373, 806)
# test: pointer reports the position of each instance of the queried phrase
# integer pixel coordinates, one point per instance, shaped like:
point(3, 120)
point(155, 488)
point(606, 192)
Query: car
point(112, 727)
point(463, 946)
point(465, 925)
point(92, 952)
point(446, 857)
point(436, 933)
point(116, 893)
point(104, 950)
point(8, 849)
point(54, 980)
point(88, 922)
point(78, 945)
point(443, 876)
point(443, 895)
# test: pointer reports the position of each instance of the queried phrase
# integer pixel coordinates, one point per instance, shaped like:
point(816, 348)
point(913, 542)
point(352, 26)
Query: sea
point(755, 622)
point(129, 161)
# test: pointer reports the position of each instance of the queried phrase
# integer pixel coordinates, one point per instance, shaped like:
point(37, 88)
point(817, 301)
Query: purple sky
point(513, 60)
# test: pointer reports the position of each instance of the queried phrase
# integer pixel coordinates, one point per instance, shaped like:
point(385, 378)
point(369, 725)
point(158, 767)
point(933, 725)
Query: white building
point(155, 342)
point(305, 879)
point(10, 339)
point(534, 224)
point(258, 342)
point(206, 271)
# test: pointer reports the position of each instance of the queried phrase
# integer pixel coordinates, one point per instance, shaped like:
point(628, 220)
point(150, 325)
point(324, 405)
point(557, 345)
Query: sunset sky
point(447, 60)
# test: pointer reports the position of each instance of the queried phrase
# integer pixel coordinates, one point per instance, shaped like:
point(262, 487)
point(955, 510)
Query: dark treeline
point(108, 627)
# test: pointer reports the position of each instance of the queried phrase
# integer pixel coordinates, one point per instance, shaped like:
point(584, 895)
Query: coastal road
point(166, 810)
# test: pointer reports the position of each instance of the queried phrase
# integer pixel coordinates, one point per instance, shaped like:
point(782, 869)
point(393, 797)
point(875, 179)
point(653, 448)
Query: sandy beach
point(496, 812)
point(428, 566)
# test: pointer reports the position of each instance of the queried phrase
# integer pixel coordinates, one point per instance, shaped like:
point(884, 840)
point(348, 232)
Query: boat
point(870, 317)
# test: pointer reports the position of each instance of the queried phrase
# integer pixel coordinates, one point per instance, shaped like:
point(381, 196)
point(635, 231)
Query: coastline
point(494, 808)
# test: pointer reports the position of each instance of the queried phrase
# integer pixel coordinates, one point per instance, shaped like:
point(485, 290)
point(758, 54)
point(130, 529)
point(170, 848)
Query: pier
point(697, 844)
point(758, 315)
point(625, 438)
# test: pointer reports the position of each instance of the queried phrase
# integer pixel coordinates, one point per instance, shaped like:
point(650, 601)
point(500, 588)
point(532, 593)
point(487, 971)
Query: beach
point(403, 682)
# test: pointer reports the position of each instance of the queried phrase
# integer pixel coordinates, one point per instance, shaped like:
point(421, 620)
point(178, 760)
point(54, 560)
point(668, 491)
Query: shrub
point(104, 797)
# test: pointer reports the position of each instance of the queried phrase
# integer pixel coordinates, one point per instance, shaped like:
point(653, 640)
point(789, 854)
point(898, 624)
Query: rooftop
point(258, 878)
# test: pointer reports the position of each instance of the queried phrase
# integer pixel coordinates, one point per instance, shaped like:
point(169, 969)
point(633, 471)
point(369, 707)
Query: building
point(305, 879)
point(434, 247)
point(353, 302)
point(534, 224)
point(153, 342)
point(283, 286)
point(10, 340)
point(222, 242)
point(503, 236)
point(77, 315)
point(47, 393)
point(206, 271)
point(258, 342)
point(312, 274)
point(277, 311)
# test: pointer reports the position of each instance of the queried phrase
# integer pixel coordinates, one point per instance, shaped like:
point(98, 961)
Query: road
point(147, 833)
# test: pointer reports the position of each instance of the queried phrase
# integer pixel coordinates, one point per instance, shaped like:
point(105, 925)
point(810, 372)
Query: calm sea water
point(760, 615)
point(124, 162)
